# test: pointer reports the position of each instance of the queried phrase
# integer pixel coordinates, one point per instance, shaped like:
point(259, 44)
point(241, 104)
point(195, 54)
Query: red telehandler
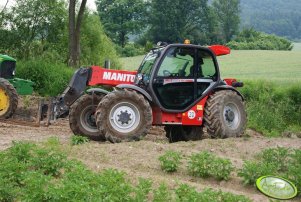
point(178, 86)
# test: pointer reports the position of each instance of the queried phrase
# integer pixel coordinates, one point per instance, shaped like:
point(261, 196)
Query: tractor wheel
point(8, 99)
point(124, 115)
point(183, 133)
point(82, 117)
point(225, 115)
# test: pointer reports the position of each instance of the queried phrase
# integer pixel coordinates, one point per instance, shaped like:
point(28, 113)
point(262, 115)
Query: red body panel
point(229, 81)
point(220, 50)
point(102, 76)
point(192, 117)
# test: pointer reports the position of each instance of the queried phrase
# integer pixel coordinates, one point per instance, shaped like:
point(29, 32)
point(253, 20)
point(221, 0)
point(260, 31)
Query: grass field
point(297, 47)
point(277, 66)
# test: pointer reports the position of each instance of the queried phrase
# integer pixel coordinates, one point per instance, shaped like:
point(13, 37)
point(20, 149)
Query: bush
point(272, 109)
point(170, 161)
point(50, 78)
point(130, 50)
point(205, 164)
point(249, 39)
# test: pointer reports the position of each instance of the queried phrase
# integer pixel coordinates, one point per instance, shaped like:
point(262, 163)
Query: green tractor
point(10, 87)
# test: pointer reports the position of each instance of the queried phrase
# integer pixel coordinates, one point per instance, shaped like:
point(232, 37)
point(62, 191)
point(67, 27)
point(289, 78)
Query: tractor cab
point(8, 72)
point(178, 75)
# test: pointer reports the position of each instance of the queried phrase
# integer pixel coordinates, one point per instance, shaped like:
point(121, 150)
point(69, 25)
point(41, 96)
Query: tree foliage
point(249, 39)
point(280, 17)
point(32, 25)
point(173, 21)
point(121, 18)
point(34, 29)
point(228, 17)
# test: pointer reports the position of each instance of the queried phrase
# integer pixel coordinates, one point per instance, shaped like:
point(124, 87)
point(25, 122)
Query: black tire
point(124, 115)
point(225, 115)
point(8, 99)
point(82, 117)
point(183, 133)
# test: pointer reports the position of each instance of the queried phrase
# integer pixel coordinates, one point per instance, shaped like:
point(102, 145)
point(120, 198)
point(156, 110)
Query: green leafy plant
point(44, 173)
point(162, 194)
point(142, 190)
point(77, 140)
point(279, 156)
point(170, 161)
point(205, 164)
point(187, 193)
point(252, 170)
point(278, 161)
point(294, 169)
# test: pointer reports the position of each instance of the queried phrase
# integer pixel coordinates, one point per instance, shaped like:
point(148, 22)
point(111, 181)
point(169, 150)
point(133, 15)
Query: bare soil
point(140, 159)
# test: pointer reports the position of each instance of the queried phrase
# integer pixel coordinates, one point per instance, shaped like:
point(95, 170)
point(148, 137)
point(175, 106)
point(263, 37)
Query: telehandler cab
point(178, 86)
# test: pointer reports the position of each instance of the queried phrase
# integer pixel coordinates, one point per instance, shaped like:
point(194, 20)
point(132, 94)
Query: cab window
point(178, 62)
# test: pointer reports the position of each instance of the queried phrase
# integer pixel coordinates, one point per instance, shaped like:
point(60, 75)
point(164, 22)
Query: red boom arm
point(102, 76)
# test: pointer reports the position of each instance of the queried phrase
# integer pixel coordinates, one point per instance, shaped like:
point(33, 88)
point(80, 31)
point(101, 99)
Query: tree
point(121, 18)
point(227, 12)
point(74, 32)
point(31, 24)
point(96, 47)
point(173, 21)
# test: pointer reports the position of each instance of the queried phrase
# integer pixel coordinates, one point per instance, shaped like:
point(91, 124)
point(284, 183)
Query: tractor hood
point(6, 58)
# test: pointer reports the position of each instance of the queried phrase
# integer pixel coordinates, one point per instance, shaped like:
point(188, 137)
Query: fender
point(227, 87)
point(97, 90)
point(136, 88)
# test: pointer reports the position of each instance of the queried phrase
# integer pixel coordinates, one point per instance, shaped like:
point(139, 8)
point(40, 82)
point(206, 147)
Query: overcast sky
point(90, 4)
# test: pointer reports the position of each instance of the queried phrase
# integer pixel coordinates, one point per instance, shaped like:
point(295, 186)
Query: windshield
point(148, 63)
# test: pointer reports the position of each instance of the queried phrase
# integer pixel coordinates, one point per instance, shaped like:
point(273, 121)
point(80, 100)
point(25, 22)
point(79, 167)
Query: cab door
point(184, 76)
point(174, 80)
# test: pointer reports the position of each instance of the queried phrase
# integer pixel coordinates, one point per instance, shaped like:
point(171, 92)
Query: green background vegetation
point(280, 17)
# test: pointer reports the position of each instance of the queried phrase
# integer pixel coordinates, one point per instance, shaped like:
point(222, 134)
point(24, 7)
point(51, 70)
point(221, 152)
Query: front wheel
point(82, 117)
point(225, 115)
point(124, 115)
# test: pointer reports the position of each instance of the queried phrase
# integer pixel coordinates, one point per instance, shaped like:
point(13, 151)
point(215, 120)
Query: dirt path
point(140, 159)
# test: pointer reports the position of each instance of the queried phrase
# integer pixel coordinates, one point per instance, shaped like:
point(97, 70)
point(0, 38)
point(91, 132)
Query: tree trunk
point(74, 32)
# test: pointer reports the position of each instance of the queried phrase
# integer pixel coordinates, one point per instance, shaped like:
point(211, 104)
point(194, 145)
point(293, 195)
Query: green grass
point(131, 63)
point(277, 66)
point(297, 47)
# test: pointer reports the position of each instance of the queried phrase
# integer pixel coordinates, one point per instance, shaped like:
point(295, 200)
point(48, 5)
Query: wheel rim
point(87, 119)
point(4, 102)
point(232, 116)
point(124, 117)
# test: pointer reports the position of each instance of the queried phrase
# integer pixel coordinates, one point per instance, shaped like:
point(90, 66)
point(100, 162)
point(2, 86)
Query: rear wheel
point(82, 117)
point(225, 115)
point(8, 99)
point(183, 133)
point(124, 115)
